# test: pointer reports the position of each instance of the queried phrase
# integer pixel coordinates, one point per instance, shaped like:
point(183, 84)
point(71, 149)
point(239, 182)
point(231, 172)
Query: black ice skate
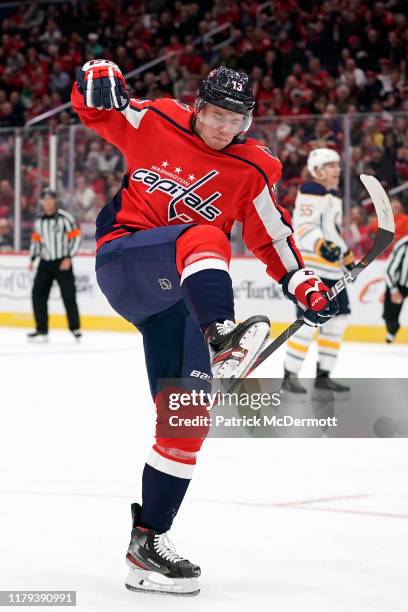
point(77, 334)
point(155, 565)
point(291, 384)
point(234, 347)
point(325, 383)
point(37, 336)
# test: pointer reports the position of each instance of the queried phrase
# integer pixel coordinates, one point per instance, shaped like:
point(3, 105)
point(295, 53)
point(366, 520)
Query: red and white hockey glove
point(308, 292)
point(102, 85)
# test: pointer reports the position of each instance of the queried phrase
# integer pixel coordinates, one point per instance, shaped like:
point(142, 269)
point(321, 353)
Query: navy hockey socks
point(209, 296)
point(162, 497)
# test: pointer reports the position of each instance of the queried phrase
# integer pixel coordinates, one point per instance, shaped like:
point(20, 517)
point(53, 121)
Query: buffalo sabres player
point(317, 219)
point(163, 259)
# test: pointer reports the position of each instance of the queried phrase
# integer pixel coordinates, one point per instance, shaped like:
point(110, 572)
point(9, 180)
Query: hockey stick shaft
point(296, 325)
point(385, 236)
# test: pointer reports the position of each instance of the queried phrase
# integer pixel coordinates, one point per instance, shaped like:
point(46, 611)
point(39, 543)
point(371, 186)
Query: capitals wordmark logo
point(189, 196)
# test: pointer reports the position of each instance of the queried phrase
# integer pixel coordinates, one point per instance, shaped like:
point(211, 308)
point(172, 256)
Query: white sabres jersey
point(318, 216)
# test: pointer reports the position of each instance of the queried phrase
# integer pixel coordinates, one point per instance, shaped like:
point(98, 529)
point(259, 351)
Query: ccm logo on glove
point(318, 301)
point(308, 291)
point(102, 85)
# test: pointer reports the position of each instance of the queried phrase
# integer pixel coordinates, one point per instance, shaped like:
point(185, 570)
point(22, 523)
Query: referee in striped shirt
point(55, 240)
point(396, 278)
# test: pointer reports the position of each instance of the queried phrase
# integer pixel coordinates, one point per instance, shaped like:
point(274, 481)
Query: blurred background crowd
point(325, 73)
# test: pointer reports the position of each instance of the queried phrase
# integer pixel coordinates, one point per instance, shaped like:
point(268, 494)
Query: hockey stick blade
point(384, 237)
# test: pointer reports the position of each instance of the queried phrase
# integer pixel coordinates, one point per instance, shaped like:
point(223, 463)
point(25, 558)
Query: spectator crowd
point(343, 60)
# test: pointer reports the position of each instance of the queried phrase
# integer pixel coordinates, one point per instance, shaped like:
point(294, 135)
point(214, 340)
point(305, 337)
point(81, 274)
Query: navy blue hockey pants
point(137, 273)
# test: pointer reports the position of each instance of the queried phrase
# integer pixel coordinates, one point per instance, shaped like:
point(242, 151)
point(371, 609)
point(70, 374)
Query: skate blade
point(37, 340)
point(145, 581)
point(253, 341)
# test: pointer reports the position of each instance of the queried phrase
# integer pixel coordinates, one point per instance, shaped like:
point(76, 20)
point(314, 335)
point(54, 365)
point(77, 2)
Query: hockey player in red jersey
point(163, 263)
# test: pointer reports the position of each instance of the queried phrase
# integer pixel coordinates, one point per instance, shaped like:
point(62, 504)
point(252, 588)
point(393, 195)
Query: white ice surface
point(288, 525)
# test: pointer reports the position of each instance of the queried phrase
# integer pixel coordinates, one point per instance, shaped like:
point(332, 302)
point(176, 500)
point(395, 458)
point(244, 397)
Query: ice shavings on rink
point(281, 524)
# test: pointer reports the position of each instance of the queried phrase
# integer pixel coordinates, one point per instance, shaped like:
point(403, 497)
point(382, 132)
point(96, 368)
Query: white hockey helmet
point(319, 157)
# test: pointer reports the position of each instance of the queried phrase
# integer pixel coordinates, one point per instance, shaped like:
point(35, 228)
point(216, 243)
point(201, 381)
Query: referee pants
point(392, 311)
point(47, 272)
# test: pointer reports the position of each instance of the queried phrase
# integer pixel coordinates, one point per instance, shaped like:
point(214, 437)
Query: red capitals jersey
point(173, 177)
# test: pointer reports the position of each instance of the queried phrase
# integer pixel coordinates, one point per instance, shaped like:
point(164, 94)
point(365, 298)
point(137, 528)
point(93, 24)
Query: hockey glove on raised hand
point(102, 85)
point(328, 250)
point(308, 292)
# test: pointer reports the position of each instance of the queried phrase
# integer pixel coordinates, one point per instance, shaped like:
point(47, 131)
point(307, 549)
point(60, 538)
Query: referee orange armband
point(74, 233)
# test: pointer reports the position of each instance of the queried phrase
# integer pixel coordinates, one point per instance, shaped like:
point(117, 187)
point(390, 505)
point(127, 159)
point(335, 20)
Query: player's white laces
point(225, 328)
point(165, 548)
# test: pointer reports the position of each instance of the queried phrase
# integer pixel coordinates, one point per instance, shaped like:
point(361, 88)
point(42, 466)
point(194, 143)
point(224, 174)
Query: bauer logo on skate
point(181, 193)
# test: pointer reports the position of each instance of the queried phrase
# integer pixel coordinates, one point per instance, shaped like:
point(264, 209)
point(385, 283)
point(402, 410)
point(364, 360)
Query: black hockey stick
point(384, 237)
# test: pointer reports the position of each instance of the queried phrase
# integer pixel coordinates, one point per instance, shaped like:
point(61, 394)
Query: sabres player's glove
point(308, 292)
point(102, 85)
point(348, 260)
point(328, 250)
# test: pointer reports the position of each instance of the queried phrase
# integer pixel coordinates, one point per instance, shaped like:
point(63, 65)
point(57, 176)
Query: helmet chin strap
point(249, 125)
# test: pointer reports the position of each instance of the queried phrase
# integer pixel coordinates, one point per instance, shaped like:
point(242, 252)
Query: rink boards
point(255, 293)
